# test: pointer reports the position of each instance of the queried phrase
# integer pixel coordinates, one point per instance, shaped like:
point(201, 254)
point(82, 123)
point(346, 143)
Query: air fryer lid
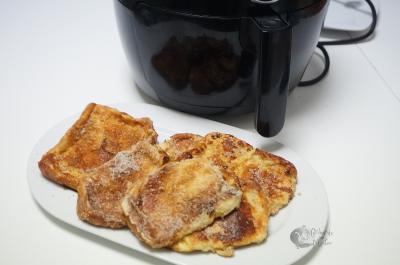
point(226, 8)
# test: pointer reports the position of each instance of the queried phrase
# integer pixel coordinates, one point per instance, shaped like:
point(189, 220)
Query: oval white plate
point(352, 15)
point(308, 208)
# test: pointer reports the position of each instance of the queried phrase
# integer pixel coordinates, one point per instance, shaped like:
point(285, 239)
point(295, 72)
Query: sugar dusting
point(257, 175)
point(123, 163)
point(162, 217)
point(105, 188)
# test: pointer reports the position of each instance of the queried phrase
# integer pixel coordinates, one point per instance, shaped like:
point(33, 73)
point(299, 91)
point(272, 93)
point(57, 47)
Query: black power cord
point(321, 44)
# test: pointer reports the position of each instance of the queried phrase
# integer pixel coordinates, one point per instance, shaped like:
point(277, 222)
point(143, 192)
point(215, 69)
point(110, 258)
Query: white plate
point(352, 15)
point(309, 209)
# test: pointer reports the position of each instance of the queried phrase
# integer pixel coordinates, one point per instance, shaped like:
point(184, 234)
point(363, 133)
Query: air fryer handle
point(270, 39)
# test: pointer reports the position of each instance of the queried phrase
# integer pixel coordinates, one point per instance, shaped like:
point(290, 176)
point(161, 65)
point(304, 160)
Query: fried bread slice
point(178, 199)
point(219, 148)
point(100, 194)
point(96, 137)
point(243, 226)
point(276, 176)
point(179, 144)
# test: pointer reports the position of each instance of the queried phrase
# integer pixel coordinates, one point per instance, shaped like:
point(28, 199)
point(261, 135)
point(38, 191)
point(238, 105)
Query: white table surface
point(56, 57)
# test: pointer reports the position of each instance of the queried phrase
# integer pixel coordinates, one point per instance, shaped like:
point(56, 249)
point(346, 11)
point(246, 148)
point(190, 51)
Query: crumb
point(299, 193)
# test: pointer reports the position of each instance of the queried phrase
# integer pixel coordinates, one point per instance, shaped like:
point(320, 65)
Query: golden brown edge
point(65, 142)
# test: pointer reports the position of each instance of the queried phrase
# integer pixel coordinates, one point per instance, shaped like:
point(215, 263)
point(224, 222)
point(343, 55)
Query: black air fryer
point(221, 56)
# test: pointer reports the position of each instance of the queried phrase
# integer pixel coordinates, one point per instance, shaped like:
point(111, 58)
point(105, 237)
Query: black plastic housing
point(221, 57)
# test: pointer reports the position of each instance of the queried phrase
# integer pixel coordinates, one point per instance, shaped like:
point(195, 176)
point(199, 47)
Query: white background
point(57, 56)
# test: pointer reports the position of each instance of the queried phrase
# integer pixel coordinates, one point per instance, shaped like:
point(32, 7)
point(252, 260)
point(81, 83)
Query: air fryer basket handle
point(270, 39)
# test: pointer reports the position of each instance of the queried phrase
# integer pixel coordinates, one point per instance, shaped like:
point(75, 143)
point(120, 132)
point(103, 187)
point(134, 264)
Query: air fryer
point(221, 56)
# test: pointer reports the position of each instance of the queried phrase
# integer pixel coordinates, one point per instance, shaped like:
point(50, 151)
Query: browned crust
point(275, 175)
point(165, 204)
point(290, 168)
point(48, 165)
point(100, 194)
point(85, 157)
point(182, 146)
point(70, 136)
point(218, 148)
point(242, 221)
point(290, 172)
point(245, 225)
point(221, 149)
point(65, 179)
point(93, 217)
point(224, 149)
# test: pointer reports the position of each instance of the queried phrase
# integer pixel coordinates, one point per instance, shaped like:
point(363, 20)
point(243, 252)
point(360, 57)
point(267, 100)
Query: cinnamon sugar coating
point(178, 199)
point(276, 176)
point(272, 176)
point(181, 145)
point(219, 148)
point(212, 193)
point(101, 193)
point(95, 138)
point(244, 225)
